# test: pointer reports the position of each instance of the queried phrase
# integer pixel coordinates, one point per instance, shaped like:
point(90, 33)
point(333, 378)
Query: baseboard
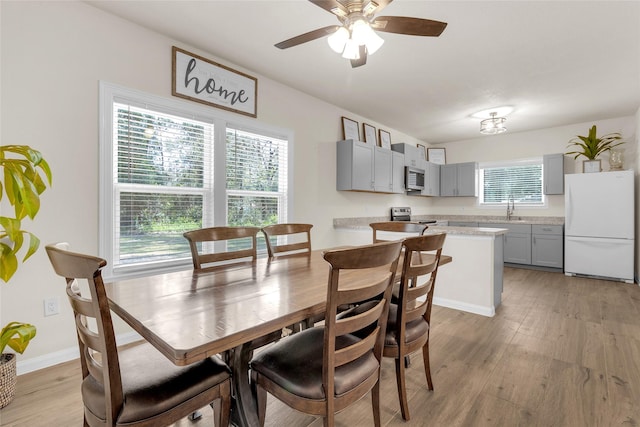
point(471, 308)
point(61, 356)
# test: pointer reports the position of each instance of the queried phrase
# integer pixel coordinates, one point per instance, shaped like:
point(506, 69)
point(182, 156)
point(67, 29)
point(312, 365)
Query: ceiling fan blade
point(362, 60)
point(307, 37)
point(331, 6)
point(410, 26)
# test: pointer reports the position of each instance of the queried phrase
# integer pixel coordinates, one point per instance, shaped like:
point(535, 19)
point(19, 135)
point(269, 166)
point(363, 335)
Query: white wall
point(54, 53)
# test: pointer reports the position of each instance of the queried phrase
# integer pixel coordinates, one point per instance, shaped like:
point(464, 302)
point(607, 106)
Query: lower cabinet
point(517, 243)
point(547, 248)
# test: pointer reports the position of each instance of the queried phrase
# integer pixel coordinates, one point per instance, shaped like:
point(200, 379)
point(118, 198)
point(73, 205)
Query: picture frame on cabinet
point(423, 151)
point(385, 139)
point(591, 166)
point(369, 134)
point(437, 156)
point(350, 129)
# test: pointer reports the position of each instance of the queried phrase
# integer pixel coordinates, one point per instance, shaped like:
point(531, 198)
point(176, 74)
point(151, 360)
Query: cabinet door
point(382, 170)
point(362, 172)
point(448, 180)
point(553, 171)
point(432, 179)
point(547, 250)
point(466, 175)
point(397, 172)
point(517, 248)
point(354, 169)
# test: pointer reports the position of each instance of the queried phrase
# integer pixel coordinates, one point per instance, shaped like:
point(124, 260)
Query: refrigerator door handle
point(567, 208)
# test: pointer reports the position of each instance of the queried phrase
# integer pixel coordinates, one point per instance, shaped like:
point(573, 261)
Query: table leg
point(244, 411)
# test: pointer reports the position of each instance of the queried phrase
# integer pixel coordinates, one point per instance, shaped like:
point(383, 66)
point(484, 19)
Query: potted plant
point(17, 336)
point(591, 147)
point(24, 176)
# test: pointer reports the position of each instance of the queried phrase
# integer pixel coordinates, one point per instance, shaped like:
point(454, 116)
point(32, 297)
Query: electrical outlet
point(51, 306)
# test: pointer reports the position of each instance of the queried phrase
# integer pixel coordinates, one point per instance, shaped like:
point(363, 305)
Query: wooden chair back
point(397, 227)
point(380, 261)
point(245, 236)
point(421, 258)
point(299, 231)
point(97, 341)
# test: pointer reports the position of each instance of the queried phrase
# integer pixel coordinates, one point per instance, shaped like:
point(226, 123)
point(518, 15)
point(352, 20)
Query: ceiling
point(555, 62)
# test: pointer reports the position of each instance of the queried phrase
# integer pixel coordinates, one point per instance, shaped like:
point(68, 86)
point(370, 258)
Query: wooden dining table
point(230, 310)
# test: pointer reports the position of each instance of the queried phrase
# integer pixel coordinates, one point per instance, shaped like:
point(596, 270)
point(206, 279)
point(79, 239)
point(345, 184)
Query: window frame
point(505, 164)
point(109, 94)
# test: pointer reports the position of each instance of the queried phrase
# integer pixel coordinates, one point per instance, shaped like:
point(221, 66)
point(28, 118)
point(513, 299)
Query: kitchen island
point(472, 282)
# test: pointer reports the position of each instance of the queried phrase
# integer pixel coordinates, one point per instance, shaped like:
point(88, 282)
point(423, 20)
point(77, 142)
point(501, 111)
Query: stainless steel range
point(401, 214)
point(404, 214)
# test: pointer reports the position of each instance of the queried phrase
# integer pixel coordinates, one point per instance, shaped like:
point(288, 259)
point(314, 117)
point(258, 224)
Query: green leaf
point(17, 336)
point(8, 262)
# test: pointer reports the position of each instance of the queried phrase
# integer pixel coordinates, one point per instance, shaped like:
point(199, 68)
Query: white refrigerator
point(599, 225)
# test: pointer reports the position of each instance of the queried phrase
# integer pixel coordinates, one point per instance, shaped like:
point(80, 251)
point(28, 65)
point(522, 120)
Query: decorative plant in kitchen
point(591, 146)
point(24, 176)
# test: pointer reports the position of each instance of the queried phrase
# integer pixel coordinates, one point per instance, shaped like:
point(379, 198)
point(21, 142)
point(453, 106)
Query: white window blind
point(163, 183)
point(256, 178)
point(519, 180)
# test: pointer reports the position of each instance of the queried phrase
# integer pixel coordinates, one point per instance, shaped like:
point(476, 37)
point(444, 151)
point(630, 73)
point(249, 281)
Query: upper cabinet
point(431, 179)
point(412, 156)
point(459, 179)
point(553, 171)
point(365, 167)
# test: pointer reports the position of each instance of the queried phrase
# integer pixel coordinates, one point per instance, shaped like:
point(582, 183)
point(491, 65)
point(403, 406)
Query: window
point(520, 181)
point(168, 167)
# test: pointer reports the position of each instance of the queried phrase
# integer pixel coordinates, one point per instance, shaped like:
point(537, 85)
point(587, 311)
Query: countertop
point(362, 223)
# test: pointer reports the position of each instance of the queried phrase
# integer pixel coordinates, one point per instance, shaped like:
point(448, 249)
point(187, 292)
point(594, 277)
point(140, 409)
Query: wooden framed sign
point(198, 79)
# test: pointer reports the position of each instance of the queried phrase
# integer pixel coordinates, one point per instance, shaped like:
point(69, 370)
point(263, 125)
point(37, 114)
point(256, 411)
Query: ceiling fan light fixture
point(351, 50)
point(338, 40)
point(363, 34)
point(493, 125)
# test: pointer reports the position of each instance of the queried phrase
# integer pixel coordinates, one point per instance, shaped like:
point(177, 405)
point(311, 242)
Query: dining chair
point(396, 227)
point(137, 385)
point(409, 320)
point(300, 232)
point(243, 237)
point(323, 370)
point(301, 246)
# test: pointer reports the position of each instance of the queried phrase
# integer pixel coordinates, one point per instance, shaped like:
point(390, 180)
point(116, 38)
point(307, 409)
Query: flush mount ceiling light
point(493, 125)
point(356, 37)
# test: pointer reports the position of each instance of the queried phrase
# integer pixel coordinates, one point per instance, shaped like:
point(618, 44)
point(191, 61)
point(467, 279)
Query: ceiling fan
point(356, 38)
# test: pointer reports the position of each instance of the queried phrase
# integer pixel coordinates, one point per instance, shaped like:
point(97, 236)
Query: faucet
point(511, 206)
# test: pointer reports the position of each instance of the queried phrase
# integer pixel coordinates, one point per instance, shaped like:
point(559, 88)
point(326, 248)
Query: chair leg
point(402, 389)
point(261, 397)
point(427, 365)
point(375, 402)
point(222, 406)
point(329, 420)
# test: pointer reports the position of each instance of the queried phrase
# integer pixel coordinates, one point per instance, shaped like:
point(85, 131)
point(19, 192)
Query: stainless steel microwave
point(413, 178)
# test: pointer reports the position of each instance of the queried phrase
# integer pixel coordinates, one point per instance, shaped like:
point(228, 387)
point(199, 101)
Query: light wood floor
point(561, 351)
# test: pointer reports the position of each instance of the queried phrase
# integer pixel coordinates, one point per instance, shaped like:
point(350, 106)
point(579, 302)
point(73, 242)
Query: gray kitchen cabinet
point(355, 162)
point(547, 248)
point(517, 243)
point(382, 170)
point(365, 167)
point(459, 179)
point(431, 179)
point(553, 173)
point(398, 172)
point(413, 156)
